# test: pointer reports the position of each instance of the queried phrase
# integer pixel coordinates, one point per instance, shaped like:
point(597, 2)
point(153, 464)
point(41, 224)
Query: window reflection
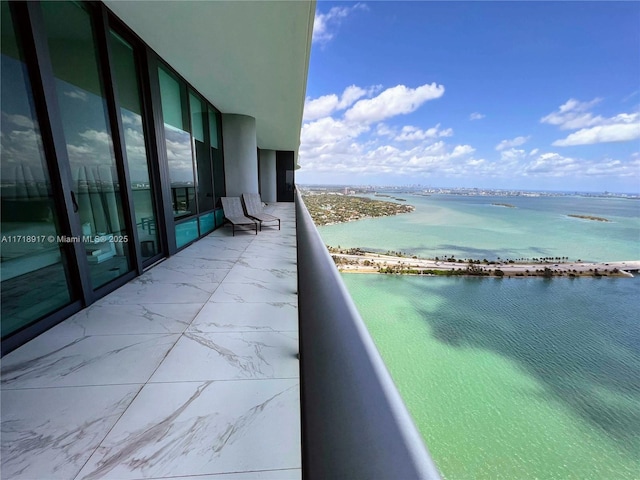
point(199, 122)
point(89, 145)
point(134, 140)
point(34, 282)
point(178, 141)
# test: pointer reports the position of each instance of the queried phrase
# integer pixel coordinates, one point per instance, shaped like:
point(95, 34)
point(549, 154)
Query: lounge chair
point(253, 209)
point(233, 213)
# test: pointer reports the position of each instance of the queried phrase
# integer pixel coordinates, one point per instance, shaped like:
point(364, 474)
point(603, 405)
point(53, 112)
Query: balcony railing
point(354, 423)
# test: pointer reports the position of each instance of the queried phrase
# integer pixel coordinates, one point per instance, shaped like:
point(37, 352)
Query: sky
point(507, 95)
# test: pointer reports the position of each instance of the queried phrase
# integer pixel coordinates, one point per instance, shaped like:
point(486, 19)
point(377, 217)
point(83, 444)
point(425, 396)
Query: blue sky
point(527, 95)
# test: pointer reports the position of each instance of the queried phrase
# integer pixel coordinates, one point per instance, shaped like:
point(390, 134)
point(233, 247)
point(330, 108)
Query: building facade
point(123, 123)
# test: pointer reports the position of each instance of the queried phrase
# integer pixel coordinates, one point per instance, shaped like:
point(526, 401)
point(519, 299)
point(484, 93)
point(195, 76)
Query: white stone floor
point(190, 371)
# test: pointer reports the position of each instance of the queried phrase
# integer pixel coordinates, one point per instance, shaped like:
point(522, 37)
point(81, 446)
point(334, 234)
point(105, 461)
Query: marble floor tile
point(241, 232)
point(130, 319)
point(269, 276)
point(137, 293)
point(202, 428)
point(242, 317)
point(208, 250)
point(218, 240)
point(230, 356)
point(50, 433)
point(55, 360)
point(282, 238)
point(197, 263)
point(270, 250)
point(187, 372)
point(270, 263)
point(288, 474)
point(253, 293)
point(167, 274)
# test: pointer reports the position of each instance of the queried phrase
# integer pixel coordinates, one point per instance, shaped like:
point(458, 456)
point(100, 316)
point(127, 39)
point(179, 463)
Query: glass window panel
point(134, 139)
point(89, 144)
point(219, 217)
point(207, 223)
point(197, 117)
point(34, 279)
point(172, 113)
point(213, 128)
point(178, 141)
point(203, 160)
point(186, 232)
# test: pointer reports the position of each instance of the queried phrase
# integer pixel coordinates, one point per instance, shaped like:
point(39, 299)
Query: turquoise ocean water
point(466, 227)
point(511, 378)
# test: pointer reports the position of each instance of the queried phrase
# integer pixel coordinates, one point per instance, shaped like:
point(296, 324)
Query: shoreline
point(370, 262)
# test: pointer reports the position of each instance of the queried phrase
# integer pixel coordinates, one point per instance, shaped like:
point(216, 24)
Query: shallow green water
point(514, 378)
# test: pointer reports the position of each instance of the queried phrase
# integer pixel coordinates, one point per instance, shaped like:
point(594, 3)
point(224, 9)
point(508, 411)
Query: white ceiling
point(245, 57)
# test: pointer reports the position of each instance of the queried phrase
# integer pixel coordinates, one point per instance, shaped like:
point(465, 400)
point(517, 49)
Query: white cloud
point(77, 94)
point(320, 107)
point(476, 116)
point(461, 150)
point(353, 157)
point(92, 147)
point(573, 114)
point(514, 142)
point(552, 164)
point(621, 132)
point(22, 147)
point(328, 130)
point(96, 136)
point(326, 24)
point(18, 120)
point(328, 104)
point(131, 119)
point(410, 133)
point(353, 134)
point(512, 154)
point(393, 101)
point(384, 130)
point(350, 95)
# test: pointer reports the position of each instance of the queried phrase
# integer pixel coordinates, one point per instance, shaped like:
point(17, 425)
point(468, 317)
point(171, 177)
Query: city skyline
point(504, 95)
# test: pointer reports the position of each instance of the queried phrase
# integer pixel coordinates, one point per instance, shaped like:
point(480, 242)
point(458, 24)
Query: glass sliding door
point(199, 125)
point(177, 131)
point(35, 281)
point(126, 78)
point(204, 167)
point(178, 141)
point(84, 118)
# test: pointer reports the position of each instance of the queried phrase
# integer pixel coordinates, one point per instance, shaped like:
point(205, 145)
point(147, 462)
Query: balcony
point(192, 370)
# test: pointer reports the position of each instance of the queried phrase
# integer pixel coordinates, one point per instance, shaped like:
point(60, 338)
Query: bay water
point(513, 378)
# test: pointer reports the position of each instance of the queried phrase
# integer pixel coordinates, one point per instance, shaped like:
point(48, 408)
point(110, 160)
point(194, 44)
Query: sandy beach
point(372, 262)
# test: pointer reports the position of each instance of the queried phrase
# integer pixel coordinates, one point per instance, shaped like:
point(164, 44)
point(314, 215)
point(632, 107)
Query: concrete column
point(240, 154)
point(268, 184)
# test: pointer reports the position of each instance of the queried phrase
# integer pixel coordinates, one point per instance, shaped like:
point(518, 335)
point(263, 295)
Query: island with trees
point(589, 217)
point(331, 208)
